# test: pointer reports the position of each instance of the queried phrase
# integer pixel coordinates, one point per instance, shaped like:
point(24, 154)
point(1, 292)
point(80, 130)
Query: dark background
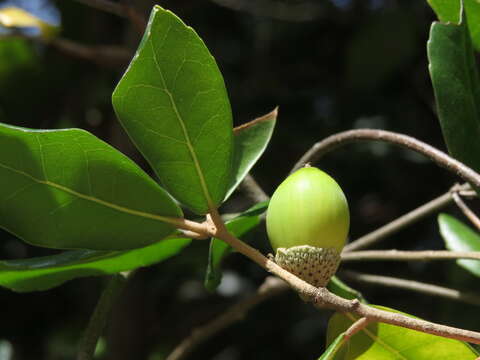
point(330, 66)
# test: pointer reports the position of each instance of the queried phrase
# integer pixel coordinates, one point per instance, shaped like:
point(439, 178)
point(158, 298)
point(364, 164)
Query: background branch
point(272, 286)
point(105, 55)
point(419, 287)
point(466, 210)
point(400, 223)
point(440, 158)
point(119, 9)
point(252, 190)
point(306, 11)
point(401, 255)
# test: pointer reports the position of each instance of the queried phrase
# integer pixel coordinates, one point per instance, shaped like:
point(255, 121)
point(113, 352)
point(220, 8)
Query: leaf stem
point(99, 317)
point(118, 9)
point(357, 326)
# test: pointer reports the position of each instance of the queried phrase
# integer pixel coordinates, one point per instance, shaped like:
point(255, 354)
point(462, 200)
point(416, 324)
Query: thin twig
point(357, 326)
point(194, 235)
point(305, 11)
point(106, 6)
point(400, 223)
point(252, 190)
point(118, 9)
point(347, 137)
point(99, 317)
point(420, 287)
point(409, 218)
point(272, 286)
point(400, 255)
point(105, 55)
point(466, 210)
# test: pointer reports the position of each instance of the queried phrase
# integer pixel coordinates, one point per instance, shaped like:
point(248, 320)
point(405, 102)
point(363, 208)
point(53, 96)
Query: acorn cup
point(307, 224)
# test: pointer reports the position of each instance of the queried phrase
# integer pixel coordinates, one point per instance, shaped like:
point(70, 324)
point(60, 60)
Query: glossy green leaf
point(67, 189)
point(447, 10)
point(460, 237)
point(384, 341)
point(338, 287)
point(173, 104)
point(333, 348)
point(238, 226)
point(43, 273)
point(457, 90)
point(249, 143)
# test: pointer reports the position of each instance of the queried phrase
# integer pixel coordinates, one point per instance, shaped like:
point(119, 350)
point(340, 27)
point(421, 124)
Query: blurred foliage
point(356, 63)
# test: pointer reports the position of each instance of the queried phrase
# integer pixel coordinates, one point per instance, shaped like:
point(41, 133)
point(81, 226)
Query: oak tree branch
point(439, 157)
point(416, 286)
point(401, 255)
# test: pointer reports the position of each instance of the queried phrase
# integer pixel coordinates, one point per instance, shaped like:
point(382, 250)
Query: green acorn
point(307, 224)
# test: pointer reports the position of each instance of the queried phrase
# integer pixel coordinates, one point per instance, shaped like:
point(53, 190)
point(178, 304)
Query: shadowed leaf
point(43, 273)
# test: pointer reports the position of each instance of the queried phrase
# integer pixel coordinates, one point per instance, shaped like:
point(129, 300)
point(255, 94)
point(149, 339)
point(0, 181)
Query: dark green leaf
point(173, 103)
point(46, 272)
point(339, 288)
point(460, 237)
point(238, 226)
point(249, 143)
point(67, 189)
point(384, 341)
point(457, 90)
point(447, 10)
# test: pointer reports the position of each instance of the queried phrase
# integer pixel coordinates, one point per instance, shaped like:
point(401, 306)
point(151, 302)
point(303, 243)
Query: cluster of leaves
point(66, 189)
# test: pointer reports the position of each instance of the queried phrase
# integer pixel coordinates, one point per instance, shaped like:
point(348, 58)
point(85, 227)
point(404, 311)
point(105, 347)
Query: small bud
point(307, 224)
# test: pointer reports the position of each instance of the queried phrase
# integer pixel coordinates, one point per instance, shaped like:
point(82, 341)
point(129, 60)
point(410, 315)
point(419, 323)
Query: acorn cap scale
point(314, 265)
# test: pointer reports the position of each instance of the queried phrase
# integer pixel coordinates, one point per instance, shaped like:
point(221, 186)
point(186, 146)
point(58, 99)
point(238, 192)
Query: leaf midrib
point(188, 142)
point(80, 195)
